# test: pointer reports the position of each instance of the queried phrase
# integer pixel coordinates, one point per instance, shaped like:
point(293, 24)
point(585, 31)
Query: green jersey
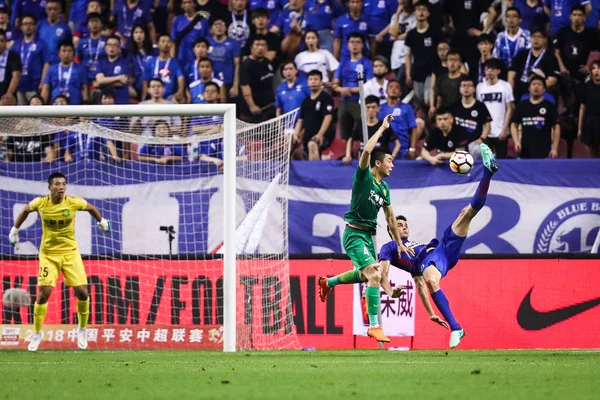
point(368, 196)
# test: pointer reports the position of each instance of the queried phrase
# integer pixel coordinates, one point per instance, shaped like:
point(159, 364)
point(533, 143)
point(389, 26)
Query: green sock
point(373, 305)
point(348, 277)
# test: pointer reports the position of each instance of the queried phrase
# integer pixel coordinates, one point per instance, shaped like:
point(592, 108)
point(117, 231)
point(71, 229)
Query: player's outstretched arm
point(13, 236)
point(390, 218)
point(424, 295)
point(103, 224)
point(366, 154)
point(385, 281)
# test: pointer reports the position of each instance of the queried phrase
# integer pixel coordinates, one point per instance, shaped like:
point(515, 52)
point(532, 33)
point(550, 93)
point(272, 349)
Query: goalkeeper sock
point(39, 315)
point(347, 277)
point(442, 304)
point(83, 312)
point(478, 200)
point(372, 294)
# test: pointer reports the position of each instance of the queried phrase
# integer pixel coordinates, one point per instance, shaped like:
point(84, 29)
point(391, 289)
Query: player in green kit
point(369, 194)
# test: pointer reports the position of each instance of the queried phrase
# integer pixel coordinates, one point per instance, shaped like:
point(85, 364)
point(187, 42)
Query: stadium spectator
point(377, 85)
point(291, 25)
point(114, 71)
point(485, 45)
point(34, 58)
point(347, 24)
point(573, 44)
point(471, 117)
point(273, 8)
point(320, 18)
point(30, 148)
point(209, 150)
point(225, 55)
point(53, 30)
point(559, 12)
point(292, 91)
point(160, 15)
point(446, 88)
point(77, 14)
point(421, 44)
point(256, 83)
point(345, 84)
point(535, 129)
point(260, 22)
point(445, 139)
point(314, 129)
point(404, 124)
point(66, 78)
point(186, 28)
point(532, 13)
point(497, 95)
point(90, 50)
point(237, 22)
point(167, 69)
point(316, 58)
point(378, 14)
point(373, 124)
point(526, 61)
point(34, 8)
point(513, 39)
point(117, 151)
point(12, 32)
point(440, 67)
point(10, 73)
point(81, 30)
point(202, 76)
point(128, 13)
point(589, 112)
point(140, 52)
point(161, 153)
point(401, 22)
point(210, 9)
point(156, 90)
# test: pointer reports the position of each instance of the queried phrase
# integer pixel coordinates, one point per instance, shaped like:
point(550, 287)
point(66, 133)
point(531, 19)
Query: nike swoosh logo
point(533, 320)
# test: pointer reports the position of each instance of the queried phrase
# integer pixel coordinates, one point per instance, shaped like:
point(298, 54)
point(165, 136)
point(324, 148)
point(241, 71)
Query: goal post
point(273, 153)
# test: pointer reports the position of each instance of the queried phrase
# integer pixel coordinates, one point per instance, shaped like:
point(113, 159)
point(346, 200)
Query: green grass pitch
point(351, 374)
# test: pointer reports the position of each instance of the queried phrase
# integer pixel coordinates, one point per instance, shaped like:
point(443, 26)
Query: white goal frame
point(229, 183)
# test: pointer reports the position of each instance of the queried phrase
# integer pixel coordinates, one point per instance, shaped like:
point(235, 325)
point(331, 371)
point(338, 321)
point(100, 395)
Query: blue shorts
point(445, 256)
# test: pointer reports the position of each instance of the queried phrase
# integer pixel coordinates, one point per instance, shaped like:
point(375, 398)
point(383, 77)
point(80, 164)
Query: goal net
point(197, 256)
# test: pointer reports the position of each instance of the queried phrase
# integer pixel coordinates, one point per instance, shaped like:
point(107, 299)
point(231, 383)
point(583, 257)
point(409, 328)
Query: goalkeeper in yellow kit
point(59, 252)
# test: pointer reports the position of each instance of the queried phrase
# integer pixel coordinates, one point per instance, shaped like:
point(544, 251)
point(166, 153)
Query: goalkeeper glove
point(104, 226)
point(13, 236)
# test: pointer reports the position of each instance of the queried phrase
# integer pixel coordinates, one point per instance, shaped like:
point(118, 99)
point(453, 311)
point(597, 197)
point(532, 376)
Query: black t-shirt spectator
point(435, 14)
point(448, 89)
point(213, 8)
point(28, 149)
point(312, 112)
point(259, 76)
point(590, 98)
point(548, 64)
point(575, 48)
point(423, 47)
point(386, 139)
point(13, 64)
point(445, 144)
point(470, 121)
point(273, 44)
point(537, 121)
point(465, 14)
point(439, 69)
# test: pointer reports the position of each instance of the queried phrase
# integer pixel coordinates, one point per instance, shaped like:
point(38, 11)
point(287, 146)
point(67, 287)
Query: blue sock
point(478, 200)
point(441, 302)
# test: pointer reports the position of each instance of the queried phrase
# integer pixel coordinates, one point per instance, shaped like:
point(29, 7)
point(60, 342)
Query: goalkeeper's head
point(57, 184)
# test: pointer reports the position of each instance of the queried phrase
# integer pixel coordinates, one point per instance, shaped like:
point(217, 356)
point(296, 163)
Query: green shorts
point(360, 247)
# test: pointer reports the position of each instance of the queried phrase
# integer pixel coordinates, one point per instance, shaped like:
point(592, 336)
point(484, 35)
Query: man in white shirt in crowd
point(377, 85)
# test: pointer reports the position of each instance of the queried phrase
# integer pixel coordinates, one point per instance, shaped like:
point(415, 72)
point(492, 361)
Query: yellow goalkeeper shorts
point(70, 264)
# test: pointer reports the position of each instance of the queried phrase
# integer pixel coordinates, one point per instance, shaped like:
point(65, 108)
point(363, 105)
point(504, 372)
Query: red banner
point(500, 304)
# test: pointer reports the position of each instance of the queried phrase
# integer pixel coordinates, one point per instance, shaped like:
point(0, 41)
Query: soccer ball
point(461, 162)
point(15, 299)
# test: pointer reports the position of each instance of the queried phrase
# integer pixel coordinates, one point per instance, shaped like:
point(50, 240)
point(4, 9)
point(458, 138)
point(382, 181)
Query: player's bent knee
point(44, 293)
point(81, 292)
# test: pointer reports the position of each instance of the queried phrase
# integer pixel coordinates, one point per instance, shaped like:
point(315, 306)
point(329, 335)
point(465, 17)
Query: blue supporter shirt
point(82, 30)
point(592, 19)
point(289, 98)
point(531, 17)
point(78, 11)
point(285, 19)
point(35, 8)
point(346, 73)
point(223, 54)
point(167, 71)
point(506, 49)
point(138, 61)
point(113, 68)
point(403, 261)
point(127, 17)
point(344, 26)
point(157, 150)
point(53, 35)
point(89, 53)
point(185, 49)
point(321, 15)
point(81, 145)
point(378, 14)
point(34, 55)
point(403, 123)
point(13, 33)
point(273, 6)
point(67, 81)
point(197, 90)
point(560, 10)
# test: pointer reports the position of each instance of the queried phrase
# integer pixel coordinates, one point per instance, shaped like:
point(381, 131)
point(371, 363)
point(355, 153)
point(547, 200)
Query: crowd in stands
point(519, 75)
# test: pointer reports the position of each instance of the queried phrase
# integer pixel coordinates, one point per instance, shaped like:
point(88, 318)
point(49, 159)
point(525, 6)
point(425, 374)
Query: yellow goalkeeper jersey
point(58, 222)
